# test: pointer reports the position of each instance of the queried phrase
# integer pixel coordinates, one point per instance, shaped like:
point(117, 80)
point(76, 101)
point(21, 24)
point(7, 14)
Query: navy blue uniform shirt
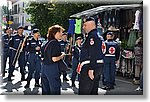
point(63, 45)
point(51, 49)
point(92, 49)
point(15, 41)
point(32, 44)
point(112, 49)
point(5, 40)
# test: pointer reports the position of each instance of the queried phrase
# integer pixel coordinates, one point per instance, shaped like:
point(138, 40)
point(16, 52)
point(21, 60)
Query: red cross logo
point(91, 41)
point(103, 47)
point(112, 50)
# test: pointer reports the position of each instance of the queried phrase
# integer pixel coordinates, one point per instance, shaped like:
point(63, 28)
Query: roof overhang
point(99, 9)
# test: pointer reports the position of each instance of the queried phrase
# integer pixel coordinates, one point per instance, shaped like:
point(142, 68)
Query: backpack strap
point(47, 45)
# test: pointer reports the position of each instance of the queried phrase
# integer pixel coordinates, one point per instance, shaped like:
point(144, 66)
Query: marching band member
point(15, 41)
point(34, 58)
point(6, 51)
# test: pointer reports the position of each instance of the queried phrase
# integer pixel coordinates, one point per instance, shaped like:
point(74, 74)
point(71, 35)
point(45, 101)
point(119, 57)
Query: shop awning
point(99, 9)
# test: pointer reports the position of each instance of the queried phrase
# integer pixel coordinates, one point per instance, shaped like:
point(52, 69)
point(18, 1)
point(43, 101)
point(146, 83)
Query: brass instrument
point(19, 50)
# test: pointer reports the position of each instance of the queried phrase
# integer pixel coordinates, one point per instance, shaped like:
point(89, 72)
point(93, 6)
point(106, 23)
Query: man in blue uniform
point(111, 56)
point(6, 51)
point(64, 44)
point(76, 50)
point(91, 59)
point(34, 58)
point(14, 44)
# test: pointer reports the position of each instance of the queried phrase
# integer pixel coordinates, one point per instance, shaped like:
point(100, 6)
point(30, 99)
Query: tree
point(44, 15)
point(6, 14)
point(40, 15)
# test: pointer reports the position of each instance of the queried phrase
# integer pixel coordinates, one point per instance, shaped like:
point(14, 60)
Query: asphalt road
point(124, 86)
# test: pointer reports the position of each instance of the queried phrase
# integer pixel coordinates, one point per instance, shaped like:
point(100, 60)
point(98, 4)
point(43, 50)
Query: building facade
point(20, 17)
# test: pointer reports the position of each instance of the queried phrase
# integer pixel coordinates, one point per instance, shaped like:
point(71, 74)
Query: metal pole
point(8, 14)
point(1, 49)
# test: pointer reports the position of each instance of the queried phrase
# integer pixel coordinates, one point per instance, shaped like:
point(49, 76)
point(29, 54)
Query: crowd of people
point(91, 58)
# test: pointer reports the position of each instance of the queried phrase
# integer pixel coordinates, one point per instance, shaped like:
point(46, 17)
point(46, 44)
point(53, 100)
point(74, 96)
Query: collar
point(110, 40)
point(92, 30)
point(34, 39)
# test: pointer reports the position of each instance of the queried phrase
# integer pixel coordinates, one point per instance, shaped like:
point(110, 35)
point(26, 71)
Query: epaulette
point(106, 41)
point(101, 38)
point(30, 38)
point(115, 42)
point(14, 34)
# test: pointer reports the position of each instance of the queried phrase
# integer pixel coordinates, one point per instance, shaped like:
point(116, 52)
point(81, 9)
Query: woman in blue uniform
point(52, 56)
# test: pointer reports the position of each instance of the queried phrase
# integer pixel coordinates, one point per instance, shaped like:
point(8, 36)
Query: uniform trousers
point(86, 85)
point(51, 82)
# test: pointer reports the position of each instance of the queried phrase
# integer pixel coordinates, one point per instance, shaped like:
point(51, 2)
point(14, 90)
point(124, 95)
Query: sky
point(3, 2)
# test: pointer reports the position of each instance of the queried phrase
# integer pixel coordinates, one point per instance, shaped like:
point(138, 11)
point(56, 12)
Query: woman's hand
point(62, 55)
point(55, 59)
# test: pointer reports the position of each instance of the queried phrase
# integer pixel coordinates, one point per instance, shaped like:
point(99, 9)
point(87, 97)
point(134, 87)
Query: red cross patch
point(103, 47)
point(91, 41)
point(112, 50)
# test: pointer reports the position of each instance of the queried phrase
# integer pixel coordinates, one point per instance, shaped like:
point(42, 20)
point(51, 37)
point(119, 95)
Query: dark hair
point(35, 30)
point(6, 29)
point(53, 30)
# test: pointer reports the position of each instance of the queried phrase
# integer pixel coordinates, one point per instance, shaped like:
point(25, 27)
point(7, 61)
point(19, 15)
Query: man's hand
point(91, 74)
point(37, 48)
point(117, 62)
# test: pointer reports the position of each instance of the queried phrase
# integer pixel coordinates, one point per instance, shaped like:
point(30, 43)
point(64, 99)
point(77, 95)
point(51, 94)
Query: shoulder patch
point(91, 41)
point(103, 47)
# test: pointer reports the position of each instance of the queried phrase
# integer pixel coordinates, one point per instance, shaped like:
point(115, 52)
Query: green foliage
point(124, 44)
point(5, 10)
point(44, 15)
point(40, 16)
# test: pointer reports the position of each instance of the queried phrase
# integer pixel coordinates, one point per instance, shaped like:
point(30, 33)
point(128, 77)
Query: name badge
point(33, 43)
point(17, 39)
